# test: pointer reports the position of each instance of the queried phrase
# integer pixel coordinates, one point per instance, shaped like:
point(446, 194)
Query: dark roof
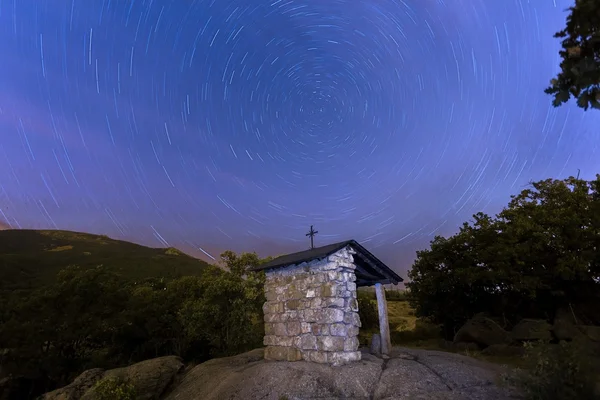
point(369, 269)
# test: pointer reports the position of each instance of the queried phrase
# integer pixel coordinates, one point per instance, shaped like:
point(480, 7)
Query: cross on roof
point(312, 234)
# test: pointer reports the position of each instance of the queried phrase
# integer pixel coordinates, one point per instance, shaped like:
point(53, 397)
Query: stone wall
point(311, 311)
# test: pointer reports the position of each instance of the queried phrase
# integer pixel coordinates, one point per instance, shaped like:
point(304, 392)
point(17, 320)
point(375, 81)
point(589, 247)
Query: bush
point(114, 389)
point(563, 371)
point(396, 295)
point(367, 311)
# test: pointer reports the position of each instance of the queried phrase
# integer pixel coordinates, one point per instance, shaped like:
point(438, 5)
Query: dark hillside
point(32, 258)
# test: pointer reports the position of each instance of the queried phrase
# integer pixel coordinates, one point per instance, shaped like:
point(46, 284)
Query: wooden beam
point(375, 267)
point(384, 325)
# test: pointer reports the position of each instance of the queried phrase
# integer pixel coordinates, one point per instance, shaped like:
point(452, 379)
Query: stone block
point(269, 340)
point(353, 330)
point(292, 304)
point(333, 302)
point(351, 286)
point(270, 294)
point(281, 353)
point(318, 357)
point(306, 355)
point(305, 327)
point(330, 266)
point(284, 317)
point(304, 304)
point(308, 342)
point(317, 302)
point(335, 276)
point(269, 328)
point(293, 328)
point(286, 341)
point(294, 293)
point(352, 318)
point(330, 343)
point(351, 344)
point(280, 289)
point(310, 315)
point(331, 315)
point(340, 358)
point(311, 293)
point(279, 329)
point(352, 304)
point(320, 329)
point(271, 318)
point(273, 308)
point(328, 289)
point(338, 329)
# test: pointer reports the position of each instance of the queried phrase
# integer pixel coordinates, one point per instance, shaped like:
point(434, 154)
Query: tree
point(538, 254)
point(229, 313)
point(580, 67)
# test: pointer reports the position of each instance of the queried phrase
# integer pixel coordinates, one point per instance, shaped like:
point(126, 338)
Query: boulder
point(564, 326)
point(465, 346)
point(408, 374)
point(503, 350)
point(376, 344)
point(592, 333)
point(531, 330)
point(483, 331)
point(76, 389)
point(460, 347)
point(150, 379)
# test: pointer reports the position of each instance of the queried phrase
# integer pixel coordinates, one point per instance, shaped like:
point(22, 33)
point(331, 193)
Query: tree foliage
point(93, 317)
point(580, 67)
point(538, 254)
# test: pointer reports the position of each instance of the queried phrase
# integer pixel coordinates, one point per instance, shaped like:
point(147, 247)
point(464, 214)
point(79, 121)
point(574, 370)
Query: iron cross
point(312, 234)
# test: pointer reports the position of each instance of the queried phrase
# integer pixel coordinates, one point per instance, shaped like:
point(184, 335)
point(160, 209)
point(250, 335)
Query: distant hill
point(32, 258)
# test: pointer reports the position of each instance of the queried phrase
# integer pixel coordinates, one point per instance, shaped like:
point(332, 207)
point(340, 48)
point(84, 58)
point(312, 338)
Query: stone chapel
point(311, 312)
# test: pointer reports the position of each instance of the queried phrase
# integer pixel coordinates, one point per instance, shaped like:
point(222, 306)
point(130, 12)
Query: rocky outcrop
point(150, 378)
point(531, 330)
point(483, 331)
point(408, 374)
point(503, 350)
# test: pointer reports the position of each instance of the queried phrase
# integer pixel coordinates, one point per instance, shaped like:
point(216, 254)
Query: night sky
point(236, 124)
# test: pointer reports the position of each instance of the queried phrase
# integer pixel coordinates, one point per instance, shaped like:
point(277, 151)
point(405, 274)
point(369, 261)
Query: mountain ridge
point(32, 258)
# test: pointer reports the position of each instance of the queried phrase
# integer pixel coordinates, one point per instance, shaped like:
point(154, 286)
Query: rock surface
point(150, 379)
point(531, 330)
point(483, 331)
point(407, 374)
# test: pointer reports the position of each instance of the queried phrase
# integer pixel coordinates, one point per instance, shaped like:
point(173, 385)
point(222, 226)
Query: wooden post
point(384, 325)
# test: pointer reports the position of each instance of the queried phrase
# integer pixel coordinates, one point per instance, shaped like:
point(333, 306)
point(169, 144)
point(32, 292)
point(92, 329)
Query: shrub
point(367, 311)
point(114, 389)
point(396, 295)
point(563, 371)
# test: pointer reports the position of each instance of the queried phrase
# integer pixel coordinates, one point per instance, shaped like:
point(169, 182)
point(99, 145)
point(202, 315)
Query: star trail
point(237, 124)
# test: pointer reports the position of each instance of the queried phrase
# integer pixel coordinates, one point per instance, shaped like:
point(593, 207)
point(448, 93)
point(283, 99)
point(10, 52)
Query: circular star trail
point(236, 124)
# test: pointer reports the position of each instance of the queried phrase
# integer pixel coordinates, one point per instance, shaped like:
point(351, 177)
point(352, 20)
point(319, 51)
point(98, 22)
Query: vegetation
point(114, 389)
point(580, 67)
point(556, 372)
point(538, 254)
point(96, 317)
point(30, 259)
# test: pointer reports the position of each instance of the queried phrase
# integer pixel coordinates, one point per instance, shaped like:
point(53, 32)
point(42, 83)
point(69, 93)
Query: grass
point(32, 258)
point(406, 330)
